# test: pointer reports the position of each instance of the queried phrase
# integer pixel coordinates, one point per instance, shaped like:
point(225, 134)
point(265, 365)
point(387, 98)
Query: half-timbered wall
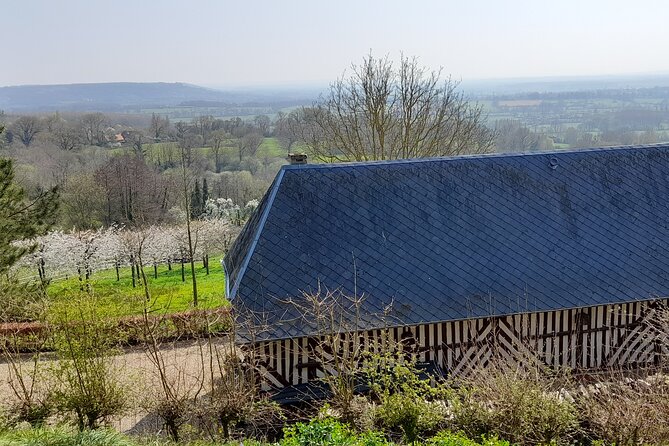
point(593, 337)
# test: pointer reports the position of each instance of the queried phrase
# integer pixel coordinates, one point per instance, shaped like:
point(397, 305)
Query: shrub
point(232, 404)
point(447, 438)
point(408, 404)
point(410, 415)
point(31, 400)
point(625, 411)
point(518, 406)
point(264, 420)
point(173, 408)
point(20, 302)
point(328, 432)
point(86, 382)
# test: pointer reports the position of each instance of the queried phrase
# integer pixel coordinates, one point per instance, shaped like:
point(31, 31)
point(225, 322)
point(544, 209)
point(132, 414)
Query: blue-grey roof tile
point(459, 237)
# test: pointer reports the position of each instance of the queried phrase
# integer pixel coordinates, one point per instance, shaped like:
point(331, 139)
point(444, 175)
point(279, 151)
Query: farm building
point(565, 253)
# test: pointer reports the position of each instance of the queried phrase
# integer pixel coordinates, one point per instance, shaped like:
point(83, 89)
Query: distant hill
point(564, 84)
point(130, 96)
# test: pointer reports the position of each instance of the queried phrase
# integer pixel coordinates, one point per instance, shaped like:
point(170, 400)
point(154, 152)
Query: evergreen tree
point(205, 193)
point(21, 218)
point(196, 201)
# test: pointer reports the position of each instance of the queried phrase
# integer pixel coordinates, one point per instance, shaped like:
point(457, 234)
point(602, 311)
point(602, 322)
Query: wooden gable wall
point(598, 337)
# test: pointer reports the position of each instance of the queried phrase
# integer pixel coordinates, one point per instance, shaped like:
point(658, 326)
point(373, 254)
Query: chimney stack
point(297, 158)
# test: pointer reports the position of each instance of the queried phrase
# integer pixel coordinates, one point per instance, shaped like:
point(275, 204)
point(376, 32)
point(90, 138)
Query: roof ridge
point(483, 156)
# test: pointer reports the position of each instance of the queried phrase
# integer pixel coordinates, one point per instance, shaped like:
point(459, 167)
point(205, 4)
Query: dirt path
point(187, 364)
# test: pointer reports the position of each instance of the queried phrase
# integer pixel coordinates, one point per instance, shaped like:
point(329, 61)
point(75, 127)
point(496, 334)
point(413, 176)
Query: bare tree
point(286, 129)
point(217, 139)
point(92, 128)
point(137, 139)
point(135, 192)
point(381, 112)
point(159, 125)
point(187, 139)
point(181, 129)
point(52, 122)
point(165, 155)
point(337, 321)
point(26, 128)
point(262, 122)
point(203, 125)
point(513, 136)
point(248, 144)
point(186, 187)
point(66, 136)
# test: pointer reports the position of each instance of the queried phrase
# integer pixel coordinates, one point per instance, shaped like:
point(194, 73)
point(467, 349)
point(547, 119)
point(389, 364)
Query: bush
point(625, 411)
point(31, 399)
point(447, 438)
point(408, 405)
point(20, 302)
point(173, 409)
point(328, 432)
point(233, 405)
point(86, 382)
point(518, 406)
point(410, 415)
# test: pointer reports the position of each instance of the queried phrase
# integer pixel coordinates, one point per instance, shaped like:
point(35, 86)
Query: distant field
point(270, 148)
point(187, 113)
point(520, 103)
point(158, 151)
point(168, 293)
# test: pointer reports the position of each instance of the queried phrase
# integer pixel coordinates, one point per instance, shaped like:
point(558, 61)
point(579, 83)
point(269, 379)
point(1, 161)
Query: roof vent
point(297, 158)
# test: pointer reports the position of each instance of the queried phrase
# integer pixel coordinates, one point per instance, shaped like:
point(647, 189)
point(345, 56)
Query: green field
point(169, 294)
point(270, 148)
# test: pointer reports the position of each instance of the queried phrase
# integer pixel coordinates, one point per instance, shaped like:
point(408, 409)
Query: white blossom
point(60, 254)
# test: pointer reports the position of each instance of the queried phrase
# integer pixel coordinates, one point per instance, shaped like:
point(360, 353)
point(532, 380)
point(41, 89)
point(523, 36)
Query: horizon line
point(324, 83)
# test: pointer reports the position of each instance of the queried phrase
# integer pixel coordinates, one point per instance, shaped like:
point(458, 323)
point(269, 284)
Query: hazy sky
point(250, 42)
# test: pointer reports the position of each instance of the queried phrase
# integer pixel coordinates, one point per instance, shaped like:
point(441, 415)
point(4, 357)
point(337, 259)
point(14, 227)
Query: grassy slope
point(168, 292)
point(270, 148)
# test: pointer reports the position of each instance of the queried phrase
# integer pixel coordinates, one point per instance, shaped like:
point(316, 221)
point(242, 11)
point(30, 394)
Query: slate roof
point(462, 237)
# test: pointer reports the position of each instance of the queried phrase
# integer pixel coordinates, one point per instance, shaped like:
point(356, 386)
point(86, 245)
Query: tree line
point(110, 172)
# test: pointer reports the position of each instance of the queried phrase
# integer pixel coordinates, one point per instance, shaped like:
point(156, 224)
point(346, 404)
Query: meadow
point(168, 292)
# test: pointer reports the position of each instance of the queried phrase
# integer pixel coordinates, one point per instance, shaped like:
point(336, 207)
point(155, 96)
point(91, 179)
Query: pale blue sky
point(295, 41)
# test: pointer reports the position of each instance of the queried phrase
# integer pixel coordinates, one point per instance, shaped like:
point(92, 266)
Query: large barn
point(567, 252)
